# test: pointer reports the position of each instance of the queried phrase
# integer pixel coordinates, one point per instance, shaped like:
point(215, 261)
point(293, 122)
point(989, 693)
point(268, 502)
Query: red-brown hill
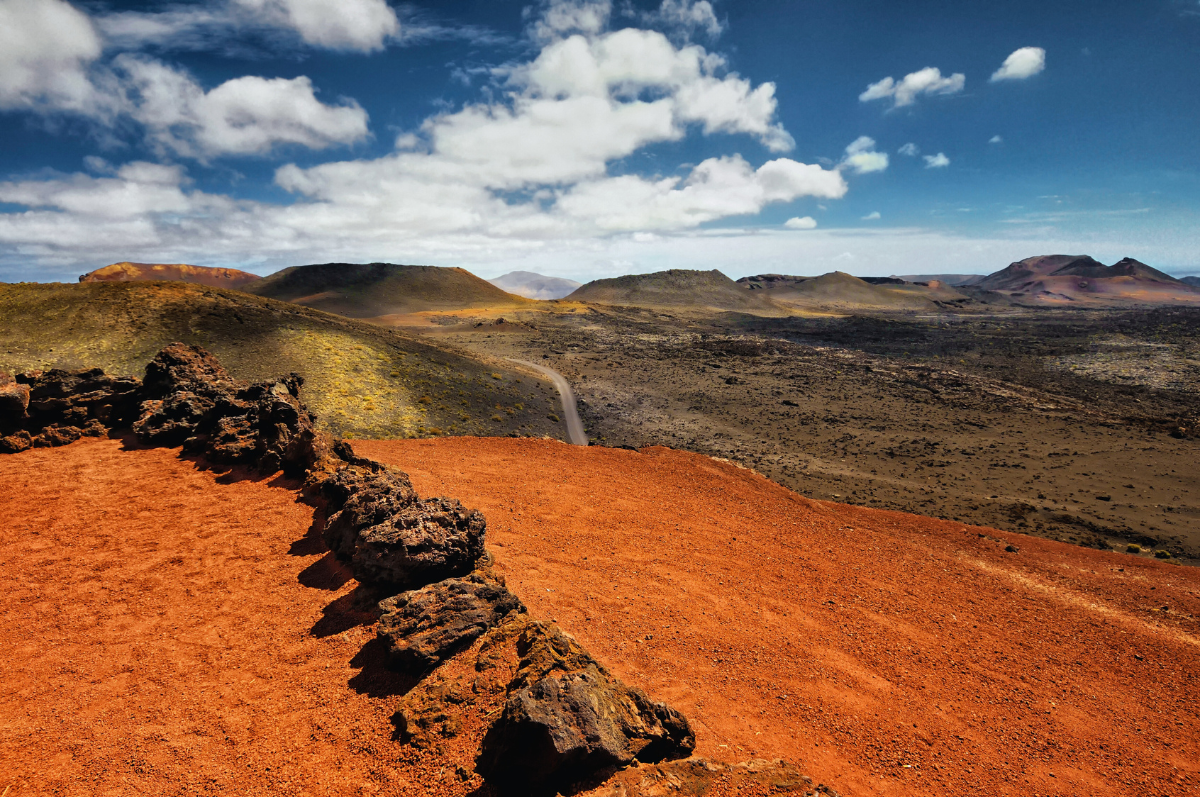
point(220, 277)
point(1067, 280)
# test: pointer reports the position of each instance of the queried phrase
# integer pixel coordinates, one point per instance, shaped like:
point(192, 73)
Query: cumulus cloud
point(801, 223)
point(997, 139)
point(525, 168)
point(560, 18)
point(910, 150)
point(937, 162)
point(46, 49)
point(686, 17)
point(905, 91)
point(247, 115)
point(873, 215)
point(1022, 64)
point(861, 157)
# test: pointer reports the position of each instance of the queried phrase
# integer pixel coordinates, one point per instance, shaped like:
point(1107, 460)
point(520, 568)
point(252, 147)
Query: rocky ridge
point(565, 720)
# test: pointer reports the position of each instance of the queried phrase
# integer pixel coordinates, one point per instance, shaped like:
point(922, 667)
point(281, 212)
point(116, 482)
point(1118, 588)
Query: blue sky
point(586, 138)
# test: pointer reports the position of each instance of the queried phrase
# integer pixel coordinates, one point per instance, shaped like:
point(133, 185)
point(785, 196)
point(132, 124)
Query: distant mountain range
point(382, 290)
point(220, 277)
point(535, 286)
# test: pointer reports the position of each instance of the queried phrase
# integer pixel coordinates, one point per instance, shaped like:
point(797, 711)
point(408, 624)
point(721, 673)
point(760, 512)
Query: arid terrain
point(1076, 426)
point(173, 628)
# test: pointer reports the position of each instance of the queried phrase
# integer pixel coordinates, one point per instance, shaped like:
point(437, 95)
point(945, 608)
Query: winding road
point(575, 432)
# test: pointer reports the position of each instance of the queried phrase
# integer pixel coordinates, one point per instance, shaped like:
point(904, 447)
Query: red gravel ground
point(171, 630)
point(885, 653)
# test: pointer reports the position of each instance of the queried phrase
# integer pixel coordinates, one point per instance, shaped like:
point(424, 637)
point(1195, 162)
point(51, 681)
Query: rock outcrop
point(191, 400)
point(567, 718)
point(423, 628)
point(57, 407)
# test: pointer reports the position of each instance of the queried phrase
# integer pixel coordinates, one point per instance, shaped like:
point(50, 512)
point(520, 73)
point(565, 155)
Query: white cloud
point(861, 157)
point(138, 189)
point(937, 162)
point(801, 223)
point(910, 150)
point(873, 215)
point(686, 17)
point(247, 115)
point(1022, 64)
point(363, 25)
point(997, 139)
point(906, 91)
point(46, 48)
point(562, 18)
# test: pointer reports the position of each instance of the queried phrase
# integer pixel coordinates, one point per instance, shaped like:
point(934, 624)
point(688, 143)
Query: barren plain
point(1075, 426)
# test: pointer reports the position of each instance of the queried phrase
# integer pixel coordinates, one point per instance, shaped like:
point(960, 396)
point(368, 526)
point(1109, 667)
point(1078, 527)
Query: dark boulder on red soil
point(426, 541)
point(192, 401)
point(423, 628)
point(50, 409)
point(567, 719)
point(359, 498)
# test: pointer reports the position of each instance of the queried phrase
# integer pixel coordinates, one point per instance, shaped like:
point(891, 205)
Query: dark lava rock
point(1012, 548)
point(363, 498)
point(426, 541)
point(567, 719)
point(425, 627)
point(50, 409)
point(192, 401)
point(14, 400)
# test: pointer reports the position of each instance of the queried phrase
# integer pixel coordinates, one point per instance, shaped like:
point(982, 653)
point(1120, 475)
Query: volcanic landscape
point(896, 538)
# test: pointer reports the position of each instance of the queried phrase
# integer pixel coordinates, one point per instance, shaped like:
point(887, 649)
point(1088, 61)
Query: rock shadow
point(312, 542)
point(354, 608)
point(375, 678)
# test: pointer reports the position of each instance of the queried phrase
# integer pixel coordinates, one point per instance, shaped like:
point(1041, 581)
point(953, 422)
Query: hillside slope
point(364, 380)
point(219, 277)
point(674, 288)
point(375, 290)
point(836, 290)
point(884, 653)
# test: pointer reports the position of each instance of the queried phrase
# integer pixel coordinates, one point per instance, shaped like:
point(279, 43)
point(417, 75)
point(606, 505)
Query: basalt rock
point(192, 401)
point(50, 409)
point(424, 627)
point(426, 541)
point(567, 719)
point(14, 400)
point(358, 498)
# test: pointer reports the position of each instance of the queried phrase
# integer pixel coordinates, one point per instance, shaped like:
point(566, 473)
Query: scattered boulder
point(426, 541)
point(567, 719)
point(423, 628)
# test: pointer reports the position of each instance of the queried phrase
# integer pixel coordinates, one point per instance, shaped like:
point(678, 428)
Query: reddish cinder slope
point(219, 277)
point(171, 631)
point(885, 653)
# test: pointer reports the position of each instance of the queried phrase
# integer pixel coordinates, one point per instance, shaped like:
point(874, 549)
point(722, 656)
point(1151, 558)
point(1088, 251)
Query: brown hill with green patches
point(674, 288)
point(364, 380)
point(376, 290)
point(220, 277)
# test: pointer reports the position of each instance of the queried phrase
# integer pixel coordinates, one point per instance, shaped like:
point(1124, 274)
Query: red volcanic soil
point(884, 653)
point(171, 630)
point(220, 277)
